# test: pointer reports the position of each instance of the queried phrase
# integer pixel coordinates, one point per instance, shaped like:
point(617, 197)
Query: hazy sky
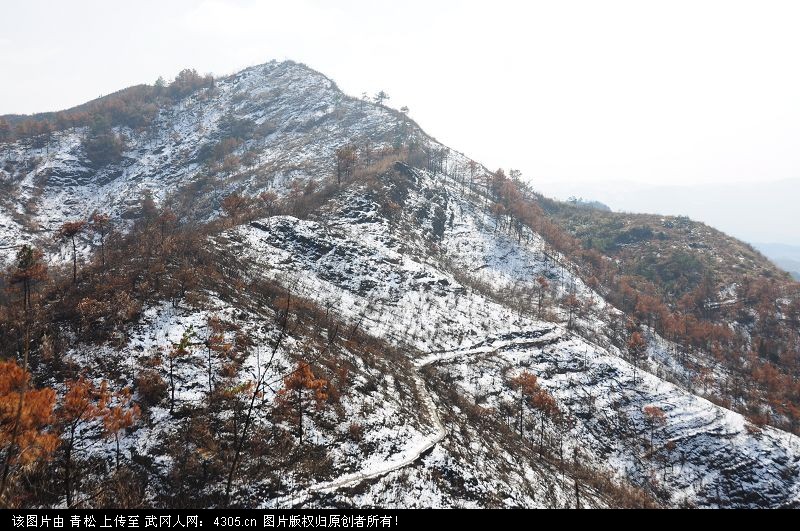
point(656, 92)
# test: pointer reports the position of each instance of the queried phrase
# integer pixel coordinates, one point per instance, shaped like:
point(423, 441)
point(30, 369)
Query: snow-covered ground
point(373, 272)
point(448, 294)
point(300, 117)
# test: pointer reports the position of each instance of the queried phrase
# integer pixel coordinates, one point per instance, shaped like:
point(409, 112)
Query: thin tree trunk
point(239, 442)
point(171, 385)
point(12, 447)
point(68, 467)
point(541, 433)
point(209, 374)
point(300, 414)
point(74, 262)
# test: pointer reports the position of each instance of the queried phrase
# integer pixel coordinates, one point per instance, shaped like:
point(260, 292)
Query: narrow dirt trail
point(410, 455)
point(401, 460)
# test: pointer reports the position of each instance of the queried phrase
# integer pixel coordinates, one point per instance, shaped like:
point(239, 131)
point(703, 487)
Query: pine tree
point(542, 285)
point(537, 397)
point(81, 404)
point(28, 269)
point(26, 417)
point(256, 390)
point(573, 304)
point(178, 351)
point(68, 232)
point(655, 417)
point(268, 201)
point(380, 97)
point(119, 414)
point(300, 387)
point(235, 206)
point(346, 158)
point(637, 347)
point(99, 224)
point(527, 385)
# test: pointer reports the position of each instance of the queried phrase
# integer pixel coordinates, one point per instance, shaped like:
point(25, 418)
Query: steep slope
point(375, 272)
point(733, 312)
point(384, 326)
point(258, 130)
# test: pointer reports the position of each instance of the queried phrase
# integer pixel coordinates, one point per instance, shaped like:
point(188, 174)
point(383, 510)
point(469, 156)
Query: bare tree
point(257, 389)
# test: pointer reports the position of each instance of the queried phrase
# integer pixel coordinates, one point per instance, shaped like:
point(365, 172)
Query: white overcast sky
point(665, 92)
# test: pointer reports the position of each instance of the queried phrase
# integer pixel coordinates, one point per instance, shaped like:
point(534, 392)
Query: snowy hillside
point(374, 273)
point(295, 117)
point(300, 332)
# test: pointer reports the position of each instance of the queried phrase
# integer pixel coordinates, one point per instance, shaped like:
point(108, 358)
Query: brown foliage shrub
point(151, 387)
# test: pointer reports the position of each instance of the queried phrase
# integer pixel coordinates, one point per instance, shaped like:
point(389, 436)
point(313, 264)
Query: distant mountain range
point(785, 256)
point(755, 212)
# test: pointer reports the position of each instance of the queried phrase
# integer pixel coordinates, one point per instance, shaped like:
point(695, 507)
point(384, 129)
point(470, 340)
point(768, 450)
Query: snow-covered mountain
point(419, 307)
point(291, 118)
point(447, 320)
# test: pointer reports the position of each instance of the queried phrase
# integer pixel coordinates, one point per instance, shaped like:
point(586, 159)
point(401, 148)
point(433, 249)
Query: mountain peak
point(286, 296)
point(261, 128)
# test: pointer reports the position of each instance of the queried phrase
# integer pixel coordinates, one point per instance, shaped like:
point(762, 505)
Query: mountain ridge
point(399, 325)
point(751, 211)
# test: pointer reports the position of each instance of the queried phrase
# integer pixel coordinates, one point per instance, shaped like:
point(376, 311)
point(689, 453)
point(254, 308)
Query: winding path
point(402, 460)
point(410, 455)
